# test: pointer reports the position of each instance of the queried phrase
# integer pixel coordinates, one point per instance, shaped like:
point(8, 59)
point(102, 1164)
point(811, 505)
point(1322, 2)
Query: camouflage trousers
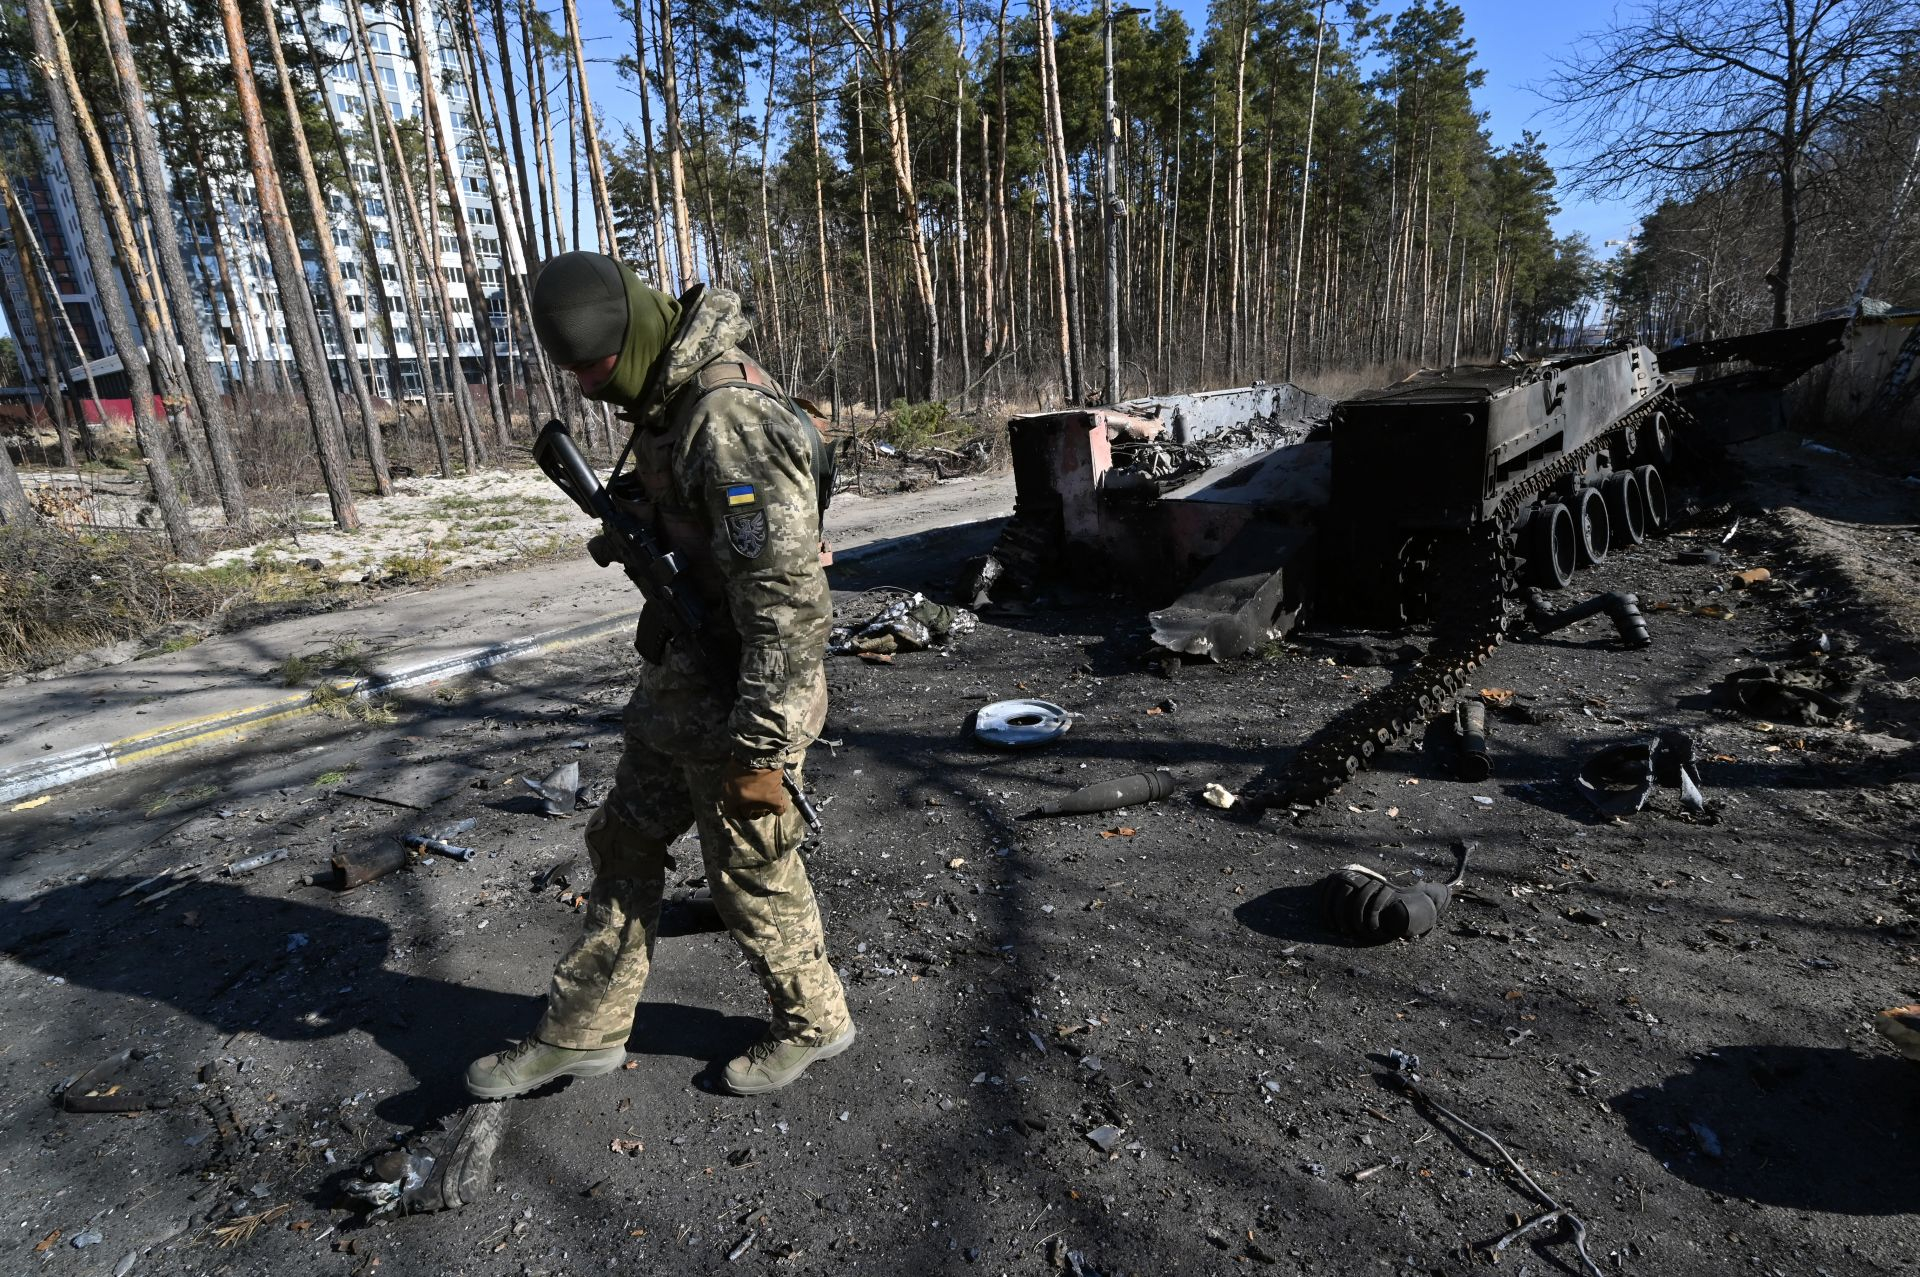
point(759, 886)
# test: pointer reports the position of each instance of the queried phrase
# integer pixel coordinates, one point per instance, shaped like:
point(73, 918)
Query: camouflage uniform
point(725, 478)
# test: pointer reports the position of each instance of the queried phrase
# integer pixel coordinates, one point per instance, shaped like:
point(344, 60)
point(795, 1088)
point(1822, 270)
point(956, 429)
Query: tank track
point(1473, 593)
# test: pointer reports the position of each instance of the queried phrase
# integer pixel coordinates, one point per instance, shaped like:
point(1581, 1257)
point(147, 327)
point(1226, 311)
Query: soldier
point(725, 473)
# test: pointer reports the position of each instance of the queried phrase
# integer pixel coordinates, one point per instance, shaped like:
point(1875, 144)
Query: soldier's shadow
point(301, 971)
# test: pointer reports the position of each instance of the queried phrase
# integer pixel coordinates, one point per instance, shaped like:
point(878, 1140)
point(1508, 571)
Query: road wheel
point(1653, 498)
point(1590, 517)
point(1550, 549)
point(1626, 511)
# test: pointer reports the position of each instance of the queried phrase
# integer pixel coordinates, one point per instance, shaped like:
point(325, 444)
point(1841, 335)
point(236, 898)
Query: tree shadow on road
point(1806, 1128)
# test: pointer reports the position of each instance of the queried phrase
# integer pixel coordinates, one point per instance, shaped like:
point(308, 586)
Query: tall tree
point(93, 233)
point(210, 407)
point(1687, 92)
point(296, 303)
point(324, 248)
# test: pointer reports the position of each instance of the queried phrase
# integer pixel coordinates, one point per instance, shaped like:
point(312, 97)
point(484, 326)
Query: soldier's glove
point(604, 549)
point(747, 793)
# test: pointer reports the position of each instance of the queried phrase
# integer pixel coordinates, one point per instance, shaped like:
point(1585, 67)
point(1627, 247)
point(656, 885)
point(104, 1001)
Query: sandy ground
point(477, 520)
point(1665, 1018)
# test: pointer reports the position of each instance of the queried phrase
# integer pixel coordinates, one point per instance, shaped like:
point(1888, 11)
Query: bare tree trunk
point(1206, 256)
point(660, 272)
point(1006, 332)
point(1069, 245)
point(436, 125)
point(885, 57)
point(832, 342)
point(866, 241)
point(209, 408)
point(377, 281)
point(960, 282)
point(163, 361)
point(1059, 211)
point(93, 234)
point(676, 164)
point(514, 285)
point(380, 121)
point(40, 287)
point(542, 128)
point(1237, 186)
point(296, 303)
point(15, 509)
point(1306, 181)
point(596, 171)
point(716, 258)
point(527, 249)
point(329, 256)
point(766, 216)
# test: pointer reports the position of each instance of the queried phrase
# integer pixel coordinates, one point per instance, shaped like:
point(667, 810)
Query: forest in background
point(912, 197)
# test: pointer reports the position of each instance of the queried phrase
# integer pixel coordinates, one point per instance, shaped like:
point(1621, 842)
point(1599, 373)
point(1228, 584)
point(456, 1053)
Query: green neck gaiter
point(651, 319)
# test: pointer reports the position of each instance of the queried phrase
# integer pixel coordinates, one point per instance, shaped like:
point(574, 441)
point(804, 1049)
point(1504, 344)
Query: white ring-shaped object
point(1021, 724)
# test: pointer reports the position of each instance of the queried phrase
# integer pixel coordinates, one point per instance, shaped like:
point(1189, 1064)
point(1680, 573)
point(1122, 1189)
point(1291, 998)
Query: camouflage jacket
point(725, 478)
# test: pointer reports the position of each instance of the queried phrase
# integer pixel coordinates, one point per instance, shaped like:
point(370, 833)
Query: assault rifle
point(655, 572)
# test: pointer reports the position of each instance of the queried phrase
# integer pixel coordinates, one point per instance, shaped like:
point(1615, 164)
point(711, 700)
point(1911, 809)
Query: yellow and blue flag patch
point(739, 494)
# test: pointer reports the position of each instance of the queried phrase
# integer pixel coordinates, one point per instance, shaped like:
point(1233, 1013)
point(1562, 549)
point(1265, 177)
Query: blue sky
point(1515, 39)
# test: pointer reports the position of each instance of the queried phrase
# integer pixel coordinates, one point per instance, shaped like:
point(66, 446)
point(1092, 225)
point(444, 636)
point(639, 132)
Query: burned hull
point(1149, 493)
point(1234, 513)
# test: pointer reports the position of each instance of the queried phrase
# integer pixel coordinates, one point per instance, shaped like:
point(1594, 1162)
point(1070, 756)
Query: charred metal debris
point(1457, 500)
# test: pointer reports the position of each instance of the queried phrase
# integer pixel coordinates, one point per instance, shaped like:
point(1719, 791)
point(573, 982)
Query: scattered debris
point(96, 1091)
point(1218, 795)
point(1624, 609)
point(1366, 905)
point(1105, 1138)
point(561, 792)
point(414, 1181)
point(1751, 577)
point(359, 867)
point(910, 624)
point(627, 1147)
point(1106, 795)
point(439, 846)
point(1020, 724)
point(1555, 1213)
point(1621, 779)
point(1470, 741)
point(558, 874)
point(1813, 692)
point(260, 861)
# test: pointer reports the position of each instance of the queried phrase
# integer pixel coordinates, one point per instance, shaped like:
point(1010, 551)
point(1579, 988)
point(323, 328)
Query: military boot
point(530, 1064)
point(770, 1064)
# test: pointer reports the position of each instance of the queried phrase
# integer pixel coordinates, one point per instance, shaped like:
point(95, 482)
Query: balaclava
point(587, 306)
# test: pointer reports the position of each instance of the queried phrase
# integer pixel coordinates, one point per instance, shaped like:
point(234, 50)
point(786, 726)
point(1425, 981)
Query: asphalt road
point(1664, 1018)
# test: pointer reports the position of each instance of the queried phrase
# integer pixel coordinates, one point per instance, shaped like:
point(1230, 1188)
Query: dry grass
point(62, 592)
point(245, 1227)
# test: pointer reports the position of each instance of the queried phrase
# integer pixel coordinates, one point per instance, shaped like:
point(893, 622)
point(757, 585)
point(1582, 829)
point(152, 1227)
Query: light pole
point(1110, 203)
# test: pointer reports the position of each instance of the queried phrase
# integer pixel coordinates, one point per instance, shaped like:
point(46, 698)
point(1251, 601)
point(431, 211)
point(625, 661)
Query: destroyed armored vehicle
point(1240, 514)
point(1396, 506)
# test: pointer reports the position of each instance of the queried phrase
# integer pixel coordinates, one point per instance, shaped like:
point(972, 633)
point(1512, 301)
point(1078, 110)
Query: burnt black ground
point(1018, 983)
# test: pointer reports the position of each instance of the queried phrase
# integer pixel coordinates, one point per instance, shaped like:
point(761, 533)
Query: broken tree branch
point(1555, 1212)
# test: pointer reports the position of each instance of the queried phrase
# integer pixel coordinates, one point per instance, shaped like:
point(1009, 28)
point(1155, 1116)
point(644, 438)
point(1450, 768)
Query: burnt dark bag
point(1364, 904)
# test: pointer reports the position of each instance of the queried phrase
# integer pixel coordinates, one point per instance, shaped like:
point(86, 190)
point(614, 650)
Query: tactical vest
point(744, 373)
point(647, 491)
